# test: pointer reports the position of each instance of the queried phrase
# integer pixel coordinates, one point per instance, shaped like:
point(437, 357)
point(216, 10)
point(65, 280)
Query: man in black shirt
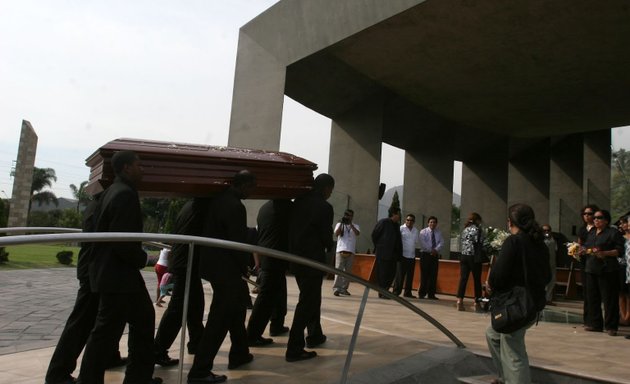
point(271, 302)
point(224, 269)
point(387, 248)
point(188, 222)
point(310, 235)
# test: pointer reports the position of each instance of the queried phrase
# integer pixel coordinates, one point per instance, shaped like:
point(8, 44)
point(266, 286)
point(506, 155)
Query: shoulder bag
point(512, 309)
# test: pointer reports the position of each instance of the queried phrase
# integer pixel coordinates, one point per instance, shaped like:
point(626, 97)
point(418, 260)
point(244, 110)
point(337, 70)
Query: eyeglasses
point(599, 218)
point(588, 213)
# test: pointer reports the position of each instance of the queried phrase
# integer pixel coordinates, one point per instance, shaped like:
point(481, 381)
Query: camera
point(345, 220)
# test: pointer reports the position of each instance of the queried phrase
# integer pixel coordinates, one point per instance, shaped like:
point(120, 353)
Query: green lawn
point(42, 256)
point(37, 256)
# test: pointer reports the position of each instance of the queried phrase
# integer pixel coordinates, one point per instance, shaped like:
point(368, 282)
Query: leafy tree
point(69, 218)
point(455, 220)
point(44, 219)
point(42, 178)
point(82, 197)
point(395, 201)
point(620, 184)
point(154, 211)
point(4, 212)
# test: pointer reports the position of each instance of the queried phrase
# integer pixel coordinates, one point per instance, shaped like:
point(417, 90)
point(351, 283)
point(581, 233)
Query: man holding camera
point(346, 232)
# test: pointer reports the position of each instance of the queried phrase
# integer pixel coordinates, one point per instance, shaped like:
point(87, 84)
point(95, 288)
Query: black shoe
point(278, 331)
point(433, 298)
point(237, 362)
point(259, 342)
point(409, 295)
point(381, 296)
point(165, 361)
point(345, 292)
point(304, 355)
point(313, 342)
point(210, 379)
point(336, 293)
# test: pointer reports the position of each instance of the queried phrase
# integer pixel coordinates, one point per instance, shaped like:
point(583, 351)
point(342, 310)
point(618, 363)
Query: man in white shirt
point(346, 232)
point(407, 265)
point(431, 243)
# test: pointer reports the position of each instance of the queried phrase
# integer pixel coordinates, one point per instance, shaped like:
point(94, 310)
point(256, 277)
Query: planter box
point(192, 170)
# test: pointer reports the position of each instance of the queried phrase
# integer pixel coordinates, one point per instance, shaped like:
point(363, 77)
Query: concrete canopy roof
point(448, 68)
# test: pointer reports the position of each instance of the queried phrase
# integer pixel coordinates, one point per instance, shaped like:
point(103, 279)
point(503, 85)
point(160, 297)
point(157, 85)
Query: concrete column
point(23, 179)
point(258, 97)
point(428, 190)
point(484, 188)
point(355, 163)
point(597, 154)
point(257, 102)
point(528, 179)
point(565, 184)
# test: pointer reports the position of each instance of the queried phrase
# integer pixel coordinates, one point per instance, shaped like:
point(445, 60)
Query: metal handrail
point(211, 242)
point(38, 230)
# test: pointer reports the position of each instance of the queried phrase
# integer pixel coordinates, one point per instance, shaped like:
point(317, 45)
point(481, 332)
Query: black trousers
point(74, 336)
point(227, 314)
point(405, 269)
point(385, 271)
point(584, 279)
point(604, 289)
point(114, 311)
point(467, 265)
point(270, 304)
point(172, 318)
point(307, 313)
point(428, 274)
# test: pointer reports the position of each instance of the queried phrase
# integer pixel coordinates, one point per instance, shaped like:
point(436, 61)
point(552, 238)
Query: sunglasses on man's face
point(599, 218)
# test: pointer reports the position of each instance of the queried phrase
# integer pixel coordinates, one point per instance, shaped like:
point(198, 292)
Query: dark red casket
point(193, 170)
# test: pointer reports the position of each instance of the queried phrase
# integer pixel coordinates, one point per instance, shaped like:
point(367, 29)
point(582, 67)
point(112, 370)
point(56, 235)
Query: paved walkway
point(34, 305)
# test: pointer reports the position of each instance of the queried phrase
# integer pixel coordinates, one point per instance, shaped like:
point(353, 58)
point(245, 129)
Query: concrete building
point(524, 94)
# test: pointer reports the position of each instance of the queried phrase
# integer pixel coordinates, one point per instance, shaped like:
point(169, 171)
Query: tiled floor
point(388, 333)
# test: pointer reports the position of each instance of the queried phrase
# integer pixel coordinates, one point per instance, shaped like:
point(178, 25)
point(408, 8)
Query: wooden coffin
point(193, 170)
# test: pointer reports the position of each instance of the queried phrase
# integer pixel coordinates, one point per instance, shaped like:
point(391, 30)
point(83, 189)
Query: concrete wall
point(428, 190)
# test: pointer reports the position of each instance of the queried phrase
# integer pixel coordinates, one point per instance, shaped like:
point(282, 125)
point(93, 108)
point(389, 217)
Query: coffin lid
point(195, 170)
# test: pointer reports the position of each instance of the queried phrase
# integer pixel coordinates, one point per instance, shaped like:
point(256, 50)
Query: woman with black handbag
point(522, 262)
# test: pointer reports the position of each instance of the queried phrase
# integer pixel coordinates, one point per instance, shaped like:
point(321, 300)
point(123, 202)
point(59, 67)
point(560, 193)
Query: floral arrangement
point(576, 251)
point(493, 239)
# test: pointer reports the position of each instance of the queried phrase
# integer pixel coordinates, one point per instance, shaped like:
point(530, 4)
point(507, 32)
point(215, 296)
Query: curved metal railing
point(210, 242)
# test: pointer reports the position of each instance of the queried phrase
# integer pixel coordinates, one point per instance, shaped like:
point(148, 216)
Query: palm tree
point(83, 198)
point(42, 178)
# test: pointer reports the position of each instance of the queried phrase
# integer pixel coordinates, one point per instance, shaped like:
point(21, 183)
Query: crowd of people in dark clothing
point(113, 293)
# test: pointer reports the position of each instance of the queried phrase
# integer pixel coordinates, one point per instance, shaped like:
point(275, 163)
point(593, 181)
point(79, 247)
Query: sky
point(85, 72)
